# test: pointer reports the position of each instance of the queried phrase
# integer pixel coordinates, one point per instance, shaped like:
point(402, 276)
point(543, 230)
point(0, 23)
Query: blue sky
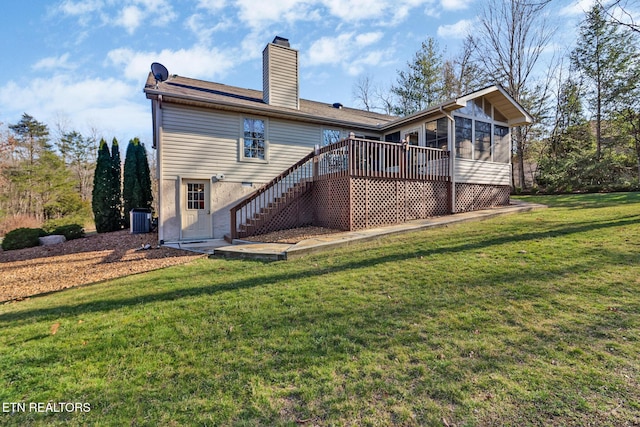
point(81, 64)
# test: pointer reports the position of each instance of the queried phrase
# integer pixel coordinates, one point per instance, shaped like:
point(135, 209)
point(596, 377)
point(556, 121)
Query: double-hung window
point(330, 136)
point(254, 146)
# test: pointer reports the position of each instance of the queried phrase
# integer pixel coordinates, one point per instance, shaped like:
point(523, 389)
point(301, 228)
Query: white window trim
point(241, 156)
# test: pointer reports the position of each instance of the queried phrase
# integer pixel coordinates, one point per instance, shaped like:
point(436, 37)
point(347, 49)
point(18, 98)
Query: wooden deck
point(357, 184)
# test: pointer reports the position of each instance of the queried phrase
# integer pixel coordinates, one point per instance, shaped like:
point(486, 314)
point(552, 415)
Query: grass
point(525, 320)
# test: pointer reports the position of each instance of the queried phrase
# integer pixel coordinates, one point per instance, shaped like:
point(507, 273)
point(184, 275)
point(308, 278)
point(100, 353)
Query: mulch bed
point(97, 257)
point(293, 235)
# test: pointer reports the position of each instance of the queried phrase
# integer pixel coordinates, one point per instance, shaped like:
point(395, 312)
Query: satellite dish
point(160, 72)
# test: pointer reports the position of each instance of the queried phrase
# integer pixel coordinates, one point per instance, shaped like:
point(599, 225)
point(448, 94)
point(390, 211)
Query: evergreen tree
point(145, 176)
point(77, 151)
point(571, 132)
point(136, 190)
point(102, 190)
point(604, 55)
point(421, 85)
point(116, 185)
point(31, 140)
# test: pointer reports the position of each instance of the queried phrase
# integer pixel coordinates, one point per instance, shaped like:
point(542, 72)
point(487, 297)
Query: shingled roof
point(218, 96)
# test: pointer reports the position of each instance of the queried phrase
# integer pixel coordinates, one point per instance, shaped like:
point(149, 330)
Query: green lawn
point(529, 319)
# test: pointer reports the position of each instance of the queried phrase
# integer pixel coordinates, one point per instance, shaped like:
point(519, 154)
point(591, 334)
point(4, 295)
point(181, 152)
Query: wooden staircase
point(261, 221)
point(262, 211)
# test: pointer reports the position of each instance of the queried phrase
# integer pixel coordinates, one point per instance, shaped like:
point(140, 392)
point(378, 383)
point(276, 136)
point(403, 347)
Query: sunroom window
point(482, 141)
point(478, 136)
point(437, 133)
point(464, 135)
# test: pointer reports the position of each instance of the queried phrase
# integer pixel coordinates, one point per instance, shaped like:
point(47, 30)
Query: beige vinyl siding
point(196, 143)
point(280, 76)
point(199, 143)
point(477, 172)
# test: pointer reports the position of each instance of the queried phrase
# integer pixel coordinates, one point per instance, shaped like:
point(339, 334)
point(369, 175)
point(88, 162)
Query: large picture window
point(254, 140)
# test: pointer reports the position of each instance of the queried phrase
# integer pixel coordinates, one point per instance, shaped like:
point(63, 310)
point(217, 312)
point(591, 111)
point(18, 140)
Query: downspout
point(452, 159)
point(157, 111)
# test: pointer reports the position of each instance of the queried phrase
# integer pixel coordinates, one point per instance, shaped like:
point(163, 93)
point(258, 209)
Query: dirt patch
point(32, 271)
point(293, 235)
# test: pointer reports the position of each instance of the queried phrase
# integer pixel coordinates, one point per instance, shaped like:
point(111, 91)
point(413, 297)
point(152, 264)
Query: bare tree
point(384, 97)
point(461, 73)
point(511, 37)
point(619, 14)
point(363, 92)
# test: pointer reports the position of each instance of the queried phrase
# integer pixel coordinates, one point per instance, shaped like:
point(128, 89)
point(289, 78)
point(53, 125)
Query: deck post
point(234, 232)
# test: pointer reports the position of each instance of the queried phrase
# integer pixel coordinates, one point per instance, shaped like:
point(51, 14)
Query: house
point(235, 162)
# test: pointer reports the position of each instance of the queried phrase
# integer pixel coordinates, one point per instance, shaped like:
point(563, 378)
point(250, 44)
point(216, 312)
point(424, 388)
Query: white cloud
point(576, 8)
point(402, 10)
point(356, 10)
point(258, 14)
point(367, 39)
point(196, 62)
point(109, 103)
point(212, 5)
point(364, 62)
point(130, 19)
point(54, 63)
point(347, 50)
point(80, 8)
point(202, 29)
point(455, 4)
point(129, 14)
point(459, 30)
point(329, 50)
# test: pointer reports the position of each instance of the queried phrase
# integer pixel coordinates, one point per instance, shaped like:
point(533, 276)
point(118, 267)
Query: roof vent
point(281, 41)
point(337, 105)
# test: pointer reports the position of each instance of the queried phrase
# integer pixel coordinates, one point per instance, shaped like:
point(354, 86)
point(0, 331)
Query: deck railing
point(353, 157)
point(365, 158)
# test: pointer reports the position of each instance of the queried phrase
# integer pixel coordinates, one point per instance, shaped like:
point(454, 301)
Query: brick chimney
point(280, 74)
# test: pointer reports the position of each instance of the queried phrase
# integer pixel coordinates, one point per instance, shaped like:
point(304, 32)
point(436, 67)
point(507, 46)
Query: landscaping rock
point(54, 239)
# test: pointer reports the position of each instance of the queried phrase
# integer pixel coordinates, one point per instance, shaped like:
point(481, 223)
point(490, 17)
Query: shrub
point(51, 224)
point(69, 231)
point(22, 238)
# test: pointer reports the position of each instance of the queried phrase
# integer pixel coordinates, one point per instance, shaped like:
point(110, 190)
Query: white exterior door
point(196, 209)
